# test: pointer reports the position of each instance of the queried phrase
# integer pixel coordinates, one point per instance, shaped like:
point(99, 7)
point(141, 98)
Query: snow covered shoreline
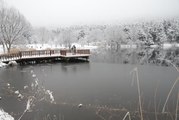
point(2, 64)
point(11, 63)
point(5, 116)
point(90, 46)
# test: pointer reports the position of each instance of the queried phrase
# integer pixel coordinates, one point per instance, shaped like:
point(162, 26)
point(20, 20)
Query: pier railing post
point(63, 52)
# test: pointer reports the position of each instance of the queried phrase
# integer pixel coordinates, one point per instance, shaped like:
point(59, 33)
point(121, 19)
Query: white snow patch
point(32, 85)
point(8, 84)
point(36, 83)
point(166, 45)
point(128, 46)
point(5, 116)
point(1, 49)
point(43, 46)
point(176, 45)
point(33, 75)
point(12, 63)
point(16, 92)
point(51, 96)
point(25, 87)
point(154, 46)
point(90, 47)
point(2, 64)
point(20, 96)
point(31, 71)
point(80, 105)
point(29, 102)
point(79, 46)
point(76, 45)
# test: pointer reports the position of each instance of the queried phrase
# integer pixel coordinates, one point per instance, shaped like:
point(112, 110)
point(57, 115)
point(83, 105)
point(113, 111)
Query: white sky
point(78, 12)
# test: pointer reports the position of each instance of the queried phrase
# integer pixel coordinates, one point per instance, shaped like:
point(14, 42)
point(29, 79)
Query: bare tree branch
point(13, 27)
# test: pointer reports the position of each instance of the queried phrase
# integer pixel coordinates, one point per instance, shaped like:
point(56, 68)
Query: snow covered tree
point(95, 35)
point(81, 34)
point(117, 35)
point(67, 38)
point(14, 27)
point(42, 35)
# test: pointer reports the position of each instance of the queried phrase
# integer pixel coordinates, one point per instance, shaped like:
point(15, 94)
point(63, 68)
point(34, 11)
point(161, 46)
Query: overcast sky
point(78, 12)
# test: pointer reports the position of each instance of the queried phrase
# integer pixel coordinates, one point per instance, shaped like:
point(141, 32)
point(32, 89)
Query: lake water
point(105, 87)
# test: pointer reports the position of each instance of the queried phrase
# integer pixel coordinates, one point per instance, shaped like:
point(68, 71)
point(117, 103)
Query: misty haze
point(89, 59)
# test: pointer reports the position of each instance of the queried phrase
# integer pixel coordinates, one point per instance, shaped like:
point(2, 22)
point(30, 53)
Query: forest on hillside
point(144, 33)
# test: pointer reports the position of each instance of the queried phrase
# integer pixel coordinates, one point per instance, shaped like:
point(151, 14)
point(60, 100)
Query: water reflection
point(67, 67)
point(156, 56)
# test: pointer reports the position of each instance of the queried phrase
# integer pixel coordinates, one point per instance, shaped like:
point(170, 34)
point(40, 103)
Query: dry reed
point(135, 71)
point(176, 115)
point(127, 114)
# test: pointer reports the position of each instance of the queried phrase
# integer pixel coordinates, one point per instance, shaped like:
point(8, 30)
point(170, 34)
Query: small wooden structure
point(44, 55)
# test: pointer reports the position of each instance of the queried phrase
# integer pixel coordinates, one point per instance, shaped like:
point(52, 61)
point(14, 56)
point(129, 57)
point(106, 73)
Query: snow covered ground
point(5, 116)
point(128, 46)
point(1, 49)
point(43, 46)
point(48, 46)
point(167, 46)
point(78, 46)
point(2, 64)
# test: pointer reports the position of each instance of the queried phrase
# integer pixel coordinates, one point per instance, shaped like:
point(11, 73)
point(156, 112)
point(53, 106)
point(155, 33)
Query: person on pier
point(73, 49)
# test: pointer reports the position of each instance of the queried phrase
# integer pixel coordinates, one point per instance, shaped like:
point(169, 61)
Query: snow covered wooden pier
point(37, 56)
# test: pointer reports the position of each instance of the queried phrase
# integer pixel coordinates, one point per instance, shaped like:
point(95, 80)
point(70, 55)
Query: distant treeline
point(140, 33)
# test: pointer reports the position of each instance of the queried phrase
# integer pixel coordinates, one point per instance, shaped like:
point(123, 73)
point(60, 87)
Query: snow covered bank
point(123, 46)
point(43, 46)
point(1, 49)
point(90, 47)
point(177, 45)
point(154, 46)
point(53, 46)
point(167, 46)
point(12, 63)
point(79, 46)
point(2, 64)
point(5, 116)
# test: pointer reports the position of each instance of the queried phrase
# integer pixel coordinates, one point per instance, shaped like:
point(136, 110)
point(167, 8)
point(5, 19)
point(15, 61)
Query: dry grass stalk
point(176, 115)
point(163, 110)
point(29, 103)
point(135, 71)
point(155, 105)
point(127, 114)
point(168, 96)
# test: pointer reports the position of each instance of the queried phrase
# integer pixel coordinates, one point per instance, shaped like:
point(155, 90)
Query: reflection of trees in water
point(155, 56)
point(159, 57)
point(81, 66)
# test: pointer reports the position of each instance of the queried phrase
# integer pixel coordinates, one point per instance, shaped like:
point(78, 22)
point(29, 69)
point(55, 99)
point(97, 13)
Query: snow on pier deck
point(41, 55)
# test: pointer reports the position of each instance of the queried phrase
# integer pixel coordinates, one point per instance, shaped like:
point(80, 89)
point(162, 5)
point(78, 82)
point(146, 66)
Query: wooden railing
point(83, 51)
point(38, 53)
point(34, 53)
point(75, 52)
point(10, 56)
